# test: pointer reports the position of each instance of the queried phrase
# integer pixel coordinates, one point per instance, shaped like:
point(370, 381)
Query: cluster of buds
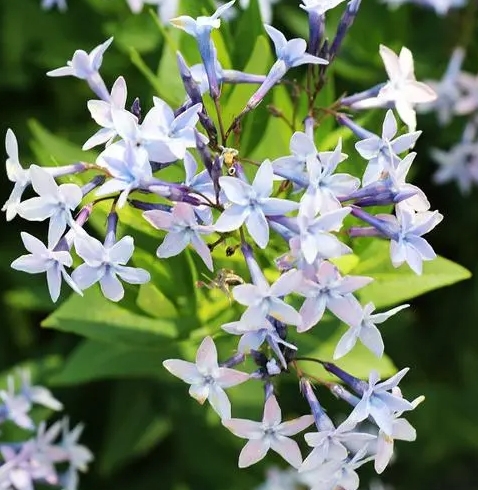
point(39, 459)
point(300, 197)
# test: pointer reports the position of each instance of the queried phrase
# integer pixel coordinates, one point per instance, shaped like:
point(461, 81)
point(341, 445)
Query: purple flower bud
point(356, 384)
point(322, 421)
point(93, 184)
point(316, 31)
point(149, 206)
point(366, 94)
point(380, 225)
point(136, 108)
point(233, 361)
point(345, 23)
point(111, 227)
point(356, 129)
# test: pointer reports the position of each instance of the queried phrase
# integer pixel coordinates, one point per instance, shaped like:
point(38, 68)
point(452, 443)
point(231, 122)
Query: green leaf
point(392, 286)
point(94, 317)
point(133, 428)
point(93, 360)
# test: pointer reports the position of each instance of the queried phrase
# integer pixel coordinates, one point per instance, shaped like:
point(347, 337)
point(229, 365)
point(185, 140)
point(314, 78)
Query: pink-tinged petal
point(295, 426)
point(232, 218)
point(349, 284)
point(288, 449)
point(187, 371)
point(258, 227)
point(206, 356)
point(247, 294)
point(253, 452)
point(203, 250)
point(312, 311)
point(159, 219)
point(236, 190)
point(247, 429)
point(405, 59)
point(200, 392)
point(403, 430)
point(346, 308)
point(390, 61)
point(111, 286)
point(184, 213)
point(418, 92)
point(286, 283)
point(219, 402)
point(384, 452)
point(272, 412)
point(227, 377)
point(173, 244)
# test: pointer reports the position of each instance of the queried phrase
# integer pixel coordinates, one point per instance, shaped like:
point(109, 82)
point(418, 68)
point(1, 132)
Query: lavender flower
point(183, 230)
point(104, 263)
point(49, 260)
point(269, 434)
point(251, 204)
point(54, 202)
point(85, 66)
point(49, 4)
point(206, 378)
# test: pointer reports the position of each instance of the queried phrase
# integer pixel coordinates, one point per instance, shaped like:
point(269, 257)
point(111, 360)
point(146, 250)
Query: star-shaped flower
point(206, 378)
point(183, 230)
point(271, 433)
point(402, 88)
point(104, 263)
point(251, 204)
point(43, 259)
point(55, 202)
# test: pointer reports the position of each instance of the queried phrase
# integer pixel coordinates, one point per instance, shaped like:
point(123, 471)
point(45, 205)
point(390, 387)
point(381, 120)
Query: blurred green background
point(136, 426)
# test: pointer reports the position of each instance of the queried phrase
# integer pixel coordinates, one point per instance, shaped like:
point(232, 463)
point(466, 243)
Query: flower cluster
point(457, 96)
point(42, 458)
point(303, 198)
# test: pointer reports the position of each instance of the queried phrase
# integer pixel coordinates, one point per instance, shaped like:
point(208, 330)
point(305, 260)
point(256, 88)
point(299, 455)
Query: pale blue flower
point(55, 202)
point(382, 152)
point(104, 263)
point(164, 136)
point(289, 54)
point(201, 29)
point(85, 66)
point(264, 300)
point(183, 229)
point(331, 445)
point(206, 378)
point(332, 291)
point(378, 403)
point(366, 331)
point(324, 186)
point(251, 204)
point(129, 168)
point(271, 433)
point(316, 241)
point(37, 394)
point(16, 174)
point(43, 259)
point(101, 112)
